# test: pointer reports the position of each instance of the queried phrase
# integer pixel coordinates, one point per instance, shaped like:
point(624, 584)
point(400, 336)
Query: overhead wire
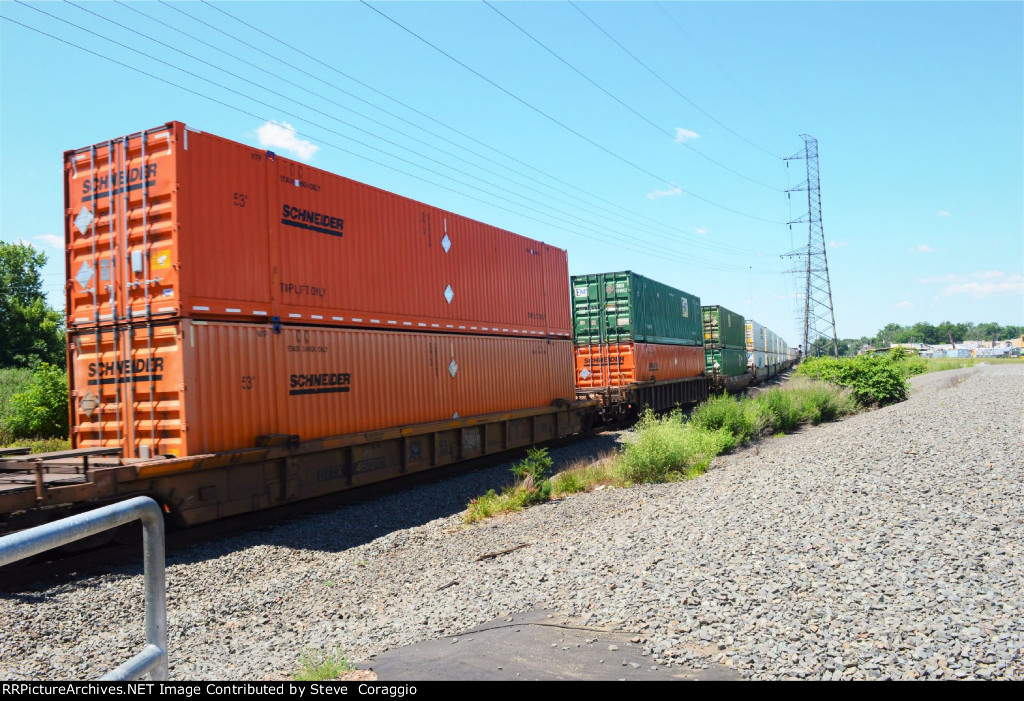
point(461, 133)
point(711, 58)
point(628, 107)
point(670, 86)
point(471, 185)
point(708, 264)
point(696, 242)
point(565, 126)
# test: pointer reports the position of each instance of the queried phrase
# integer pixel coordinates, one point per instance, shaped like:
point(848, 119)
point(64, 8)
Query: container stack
point(218, 292)
point(628, 328)
point(724, 341)
point(757, 351)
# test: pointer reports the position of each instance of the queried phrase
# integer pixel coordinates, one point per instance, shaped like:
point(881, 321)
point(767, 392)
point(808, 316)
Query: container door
point(587, 305)
point(126, 390)
point(119, 230)
point(623, 296)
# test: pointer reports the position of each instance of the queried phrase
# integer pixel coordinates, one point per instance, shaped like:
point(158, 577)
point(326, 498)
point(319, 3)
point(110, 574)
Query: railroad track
point(125, 548)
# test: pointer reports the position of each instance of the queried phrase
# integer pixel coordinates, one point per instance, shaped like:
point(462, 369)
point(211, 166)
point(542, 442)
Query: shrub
point(532, 487)
point(663, 446)
point(12, 381)
point(41, 410)
point(874, 379)
point(725, 412)
point(781, 413)
point(537, 464)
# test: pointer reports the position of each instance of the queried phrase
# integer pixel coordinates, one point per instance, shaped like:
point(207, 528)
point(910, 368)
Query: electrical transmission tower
point(819, 319)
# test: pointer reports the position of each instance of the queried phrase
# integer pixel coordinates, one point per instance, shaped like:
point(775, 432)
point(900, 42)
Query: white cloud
point(838, 244)
point(51, 240)
point(282, 136)
point(674, 192)
point(685, 135)
point(922, 248)
point(904, 305)
point(941, 278)
point(983, 275)
point(1012, 285)
point(702, 231)
point(943, 213)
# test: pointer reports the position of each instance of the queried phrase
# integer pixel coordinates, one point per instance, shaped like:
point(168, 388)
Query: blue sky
point(670, 166)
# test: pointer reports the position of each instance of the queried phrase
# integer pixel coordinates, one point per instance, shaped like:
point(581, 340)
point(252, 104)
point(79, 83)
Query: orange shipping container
point(621, 364)
point(191, 387)
point(174, 222)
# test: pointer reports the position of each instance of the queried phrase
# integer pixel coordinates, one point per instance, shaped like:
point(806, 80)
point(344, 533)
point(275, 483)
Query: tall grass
point(670, 448)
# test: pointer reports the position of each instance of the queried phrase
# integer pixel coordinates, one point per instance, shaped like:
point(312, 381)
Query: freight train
point(245, 330)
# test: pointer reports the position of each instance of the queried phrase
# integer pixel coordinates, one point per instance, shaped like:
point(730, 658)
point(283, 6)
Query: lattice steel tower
point(819, 319)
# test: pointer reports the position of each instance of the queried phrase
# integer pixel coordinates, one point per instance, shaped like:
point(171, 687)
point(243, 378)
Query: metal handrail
point(32, 541)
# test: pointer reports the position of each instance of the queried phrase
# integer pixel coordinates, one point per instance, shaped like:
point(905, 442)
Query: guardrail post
point(32, 541)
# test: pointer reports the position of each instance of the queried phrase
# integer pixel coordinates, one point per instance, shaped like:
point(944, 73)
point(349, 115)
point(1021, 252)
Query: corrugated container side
point(622, 364)
point(723, 328)
point(756, 339)
point(731, 361)
point(181, 223)
point(625, 307)
point(205, 386)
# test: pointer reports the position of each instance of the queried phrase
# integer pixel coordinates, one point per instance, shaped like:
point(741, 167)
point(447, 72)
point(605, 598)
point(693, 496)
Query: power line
point(475, 187)
point(425, 116)
point(719, 66)
point(565, 126)
point(626, 106)
point(661, 255)
point(672, 87)
point(699, 243)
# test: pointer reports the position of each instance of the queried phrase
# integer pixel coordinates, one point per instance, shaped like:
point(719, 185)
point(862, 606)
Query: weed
point(664, 445)
point(318, 666)
point(670, 448)
point(536, 465)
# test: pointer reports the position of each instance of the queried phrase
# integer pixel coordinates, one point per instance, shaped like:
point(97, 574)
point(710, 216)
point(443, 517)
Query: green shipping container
point(625, 307)
point(723, 328)
point(731, 361)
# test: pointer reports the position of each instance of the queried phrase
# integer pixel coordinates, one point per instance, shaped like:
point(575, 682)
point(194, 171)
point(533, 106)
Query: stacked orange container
point(217, 292)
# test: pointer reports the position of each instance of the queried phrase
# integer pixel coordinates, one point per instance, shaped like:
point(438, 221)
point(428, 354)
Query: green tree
point(30, 330)
point(41, 411)
point(822, 346)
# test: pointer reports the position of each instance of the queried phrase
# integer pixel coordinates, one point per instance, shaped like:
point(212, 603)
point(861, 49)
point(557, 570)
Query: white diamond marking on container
point(449, 294)
point(455, 415)
point(453, 367)
point(85, 275)
point(88, 403)
point(584, 373)
point(83, 220)
point(446, 243)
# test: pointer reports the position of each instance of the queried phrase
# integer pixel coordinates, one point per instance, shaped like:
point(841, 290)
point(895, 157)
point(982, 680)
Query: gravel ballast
point(888, 545)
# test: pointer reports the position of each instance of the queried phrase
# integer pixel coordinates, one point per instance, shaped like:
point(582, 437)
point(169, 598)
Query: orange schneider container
point(621, 364)
point(173, 222)
point(195, 387)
